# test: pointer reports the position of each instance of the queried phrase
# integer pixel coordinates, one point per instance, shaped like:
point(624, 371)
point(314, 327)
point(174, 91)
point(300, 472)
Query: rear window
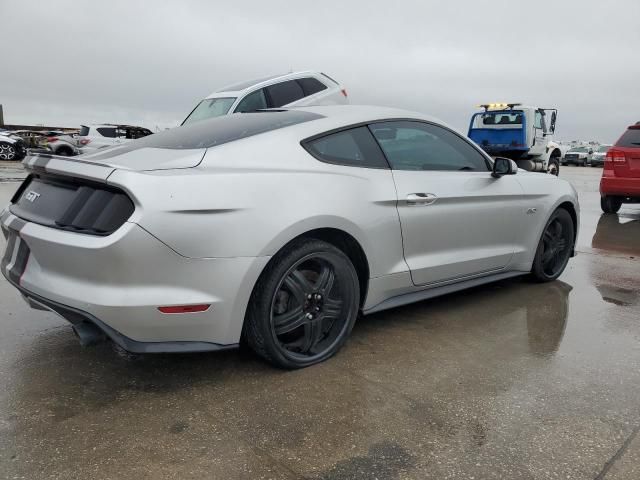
point(84, 131)
point(630, 138)
point(107, 131)
point(216, 131)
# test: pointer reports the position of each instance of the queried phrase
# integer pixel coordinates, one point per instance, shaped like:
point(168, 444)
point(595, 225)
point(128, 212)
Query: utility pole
point(1, 117)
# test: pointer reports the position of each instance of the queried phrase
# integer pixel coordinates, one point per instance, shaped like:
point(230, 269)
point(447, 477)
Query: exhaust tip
point(88, 334)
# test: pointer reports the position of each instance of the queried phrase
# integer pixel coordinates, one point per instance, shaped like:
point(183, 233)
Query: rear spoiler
point(67, 166)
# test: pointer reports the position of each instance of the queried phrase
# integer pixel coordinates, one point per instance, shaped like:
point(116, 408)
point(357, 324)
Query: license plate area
point(16, 256)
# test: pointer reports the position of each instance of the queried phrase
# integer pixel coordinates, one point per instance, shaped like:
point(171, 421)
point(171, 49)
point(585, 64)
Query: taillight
point(52, 139)
point(84, 141)
point(616, 156)
point(344, 92)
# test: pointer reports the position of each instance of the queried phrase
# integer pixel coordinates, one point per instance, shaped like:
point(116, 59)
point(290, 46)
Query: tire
point(64, 152)
point(303, 306)
point(8, 151)
point(610, 204)
point(554, 166)
point(554, 248)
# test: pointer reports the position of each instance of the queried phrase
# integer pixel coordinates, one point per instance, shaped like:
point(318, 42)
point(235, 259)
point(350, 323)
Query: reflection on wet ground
point(513, 380)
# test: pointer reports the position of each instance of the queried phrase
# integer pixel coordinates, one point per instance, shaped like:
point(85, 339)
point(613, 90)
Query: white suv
point(292, 89)
point(93, 137)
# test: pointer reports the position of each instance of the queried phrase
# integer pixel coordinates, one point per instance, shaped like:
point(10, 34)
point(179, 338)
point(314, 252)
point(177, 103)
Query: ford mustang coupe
point(277, 228)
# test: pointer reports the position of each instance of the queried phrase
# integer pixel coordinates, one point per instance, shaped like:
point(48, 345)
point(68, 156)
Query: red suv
point(620, 182)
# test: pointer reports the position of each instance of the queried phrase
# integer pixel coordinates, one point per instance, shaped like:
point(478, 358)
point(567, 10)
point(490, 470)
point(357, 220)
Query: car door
point(539, 144)
point(457, 220)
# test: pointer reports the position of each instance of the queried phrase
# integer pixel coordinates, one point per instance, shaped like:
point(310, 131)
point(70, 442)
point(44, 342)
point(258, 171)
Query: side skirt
point(432, 292)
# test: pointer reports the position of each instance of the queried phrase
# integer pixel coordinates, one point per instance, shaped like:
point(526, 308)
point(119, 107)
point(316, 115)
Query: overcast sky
point(150, 62)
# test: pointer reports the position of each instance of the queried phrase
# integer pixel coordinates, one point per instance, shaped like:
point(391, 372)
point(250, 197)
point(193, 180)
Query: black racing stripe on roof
point(215, 131)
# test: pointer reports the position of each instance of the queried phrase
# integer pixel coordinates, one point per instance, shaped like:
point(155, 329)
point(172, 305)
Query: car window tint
point(423, 146)
point(311, 85)
point(107, 132)
point(252, 102)
point(284, 93)
point(630, 138)
point(355, 147)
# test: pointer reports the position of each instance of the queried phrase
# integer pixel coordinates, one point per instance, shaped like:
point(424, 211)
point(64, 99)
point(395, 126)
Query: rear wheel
point(304, 305)
point(554, 248)
point(610, 204)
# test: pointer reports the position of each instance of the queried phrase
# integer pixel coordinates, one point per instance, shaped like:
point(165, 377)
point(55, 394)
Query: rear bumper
point(118, 282)
point(623, 187)
point(77, 317)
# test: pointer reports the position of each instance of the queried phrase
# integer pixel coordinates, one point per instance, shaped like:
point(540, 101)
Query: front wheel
point(304, 305)
point(610, 204)
point(554, 167)
point(8, 151)
point(554, 248)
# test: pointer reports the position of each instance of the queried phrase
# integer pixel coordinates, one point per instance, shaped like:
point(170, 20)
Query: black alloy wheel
point(555, 247)
point(304, 305)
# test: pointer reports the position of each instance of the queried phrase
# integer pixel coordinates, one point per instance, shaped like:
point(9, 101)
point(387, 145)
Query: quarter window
point(252, 102)
point(284, 93)
point(422, 146)
point(355, 148)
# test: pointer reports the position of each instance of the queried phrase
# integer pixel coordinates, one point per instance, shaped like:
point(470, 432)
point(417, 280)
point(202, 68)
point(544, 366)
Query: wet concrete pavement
point(513, 380)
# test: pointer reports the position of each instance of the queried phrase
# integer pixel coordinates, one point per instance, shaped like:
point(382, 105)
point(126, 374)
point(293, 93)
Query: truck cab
point(521, 133)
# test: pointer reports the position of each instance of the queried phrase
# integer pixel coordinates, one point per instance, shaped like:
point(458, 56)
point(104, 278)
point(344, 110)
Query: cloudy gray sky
point(150, 62)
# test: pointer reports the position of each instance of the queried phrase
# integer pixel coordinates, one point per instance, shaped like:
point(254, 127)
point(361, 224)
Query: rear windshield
point(209, 108)
point(216, 131)
point(84, 131)
point(630, 138)
point(489, 120)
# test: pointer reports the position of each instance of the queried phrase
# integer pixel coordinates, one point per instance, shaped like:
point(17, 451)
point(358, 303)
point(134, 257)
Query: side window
point(311, 85)
point(423, 146)
point(284, 93)
point(538, 121)
point(252, 102)
point(355, 148)
point(107, 132)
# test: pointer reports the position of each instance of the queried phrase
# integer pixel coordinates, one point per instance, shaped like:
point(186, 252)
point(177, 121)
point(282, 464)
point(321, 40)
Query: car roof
point(240, 88)
point(285, 125)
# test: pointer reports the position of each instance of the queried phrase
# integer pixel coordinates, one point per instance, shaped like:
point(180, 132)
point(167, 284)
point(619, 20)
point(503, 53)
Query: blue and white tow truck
point(521, 133)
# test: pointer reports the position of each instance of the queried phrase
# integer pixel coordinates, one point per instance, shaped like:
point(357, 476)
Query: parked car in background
point(598, 155)
point(94, 137)
point(351, 209)
point(292, 89)
point(620, 182)
point(12, 147)
point(64, 145)
point(577, 156)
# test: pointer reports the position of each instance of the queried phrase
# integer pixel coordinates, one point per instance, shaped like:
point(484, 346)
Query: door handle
point(415, 199)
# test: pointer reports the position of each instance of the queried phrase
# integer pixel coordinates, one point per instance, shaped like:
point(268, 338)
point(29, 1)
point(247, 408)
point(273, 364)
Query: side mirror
point(552, 128)
point(503, 166)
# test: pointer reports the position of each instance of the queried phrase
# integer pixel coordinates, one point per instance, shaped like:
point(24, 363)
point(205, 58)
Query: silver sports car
point(277, 228)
